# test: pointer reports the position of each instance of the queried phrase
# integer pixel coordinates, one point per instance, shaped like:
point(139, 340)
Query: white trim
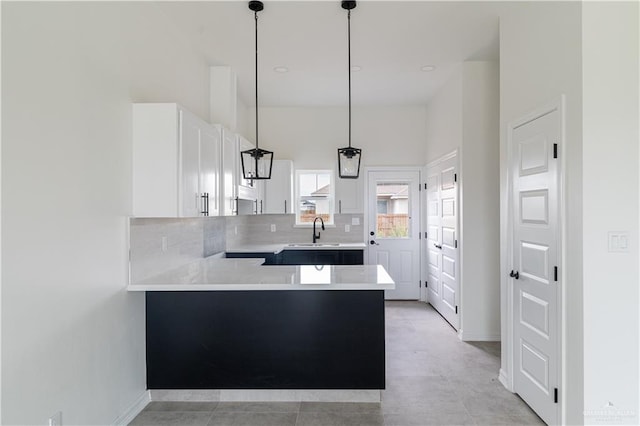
point(135, 409)
point(442, 159)
point(507, 378)
point(503, 377)
point(214, 395)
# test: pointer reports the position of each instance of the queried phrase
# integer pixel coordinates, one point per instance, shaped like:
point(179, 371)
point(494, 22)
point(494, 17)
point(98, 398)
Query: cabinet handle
point(260, 206)
point(340, 206)
point(205, 204)
point(256, 201)
point(285, 206)
point(437, 246)
point(237, 202)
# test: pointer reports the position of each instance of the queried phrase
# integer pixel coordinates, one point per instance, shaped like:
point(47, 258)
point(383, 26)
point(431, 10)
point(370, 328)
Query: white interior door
point(393, 205)
point(535, 182)
point(442, 240)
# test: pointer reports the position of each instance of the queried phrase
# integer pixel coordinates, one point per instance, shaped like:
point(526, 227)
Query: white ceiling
point(390, 40)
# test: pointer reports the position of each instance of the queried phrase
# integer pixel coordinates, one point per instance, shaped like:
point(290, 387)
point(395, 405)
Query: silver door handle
point(437, 246)
point(373, 242)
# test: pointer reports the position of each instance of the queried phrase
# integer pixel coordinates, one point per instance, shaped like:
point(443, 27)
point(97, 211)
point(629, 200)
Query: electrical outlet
point(619, 242)
point(56, 419)
point(273, 227)
point(165, 244)
point(355, 221)
point(347, 228)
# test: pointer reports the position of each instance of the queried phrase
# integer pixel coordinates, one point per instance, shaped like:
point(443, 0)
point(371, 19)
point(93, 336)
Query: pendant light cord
point(349, 53)
point(256, 16)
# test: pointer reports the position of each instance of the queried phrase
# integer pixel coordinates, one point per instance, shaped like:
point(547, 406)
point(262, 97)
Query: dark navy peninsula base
point(303, 339)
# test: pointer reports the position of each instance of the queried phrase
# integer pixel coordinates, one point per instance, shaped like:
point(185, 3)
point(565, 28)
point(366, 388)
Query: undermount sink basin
point(314, 245)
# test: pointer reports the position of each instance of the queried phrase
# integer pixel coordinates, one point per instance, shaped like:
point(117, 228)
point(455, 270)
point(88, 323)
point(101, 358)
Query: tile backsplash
point(256, 229)
point(158, 245)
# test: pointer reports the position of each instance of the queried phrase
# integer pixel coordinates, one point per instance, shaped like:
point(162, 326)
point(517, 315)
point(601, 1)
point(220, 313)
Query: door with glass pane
point(393, 205)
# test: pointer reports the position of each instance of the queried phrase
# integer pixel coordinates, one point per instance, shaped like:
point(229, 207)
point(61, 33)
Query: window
point(393, 210)
point(314, 196)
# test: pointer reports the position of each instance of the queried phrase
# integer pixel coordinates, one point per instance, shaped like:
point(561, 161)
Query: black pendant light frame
point(254, 161)
point(349, 154)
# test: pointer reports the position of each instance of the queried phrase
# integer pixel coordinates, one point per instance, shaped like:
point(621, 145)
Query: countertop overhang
point(223, 274)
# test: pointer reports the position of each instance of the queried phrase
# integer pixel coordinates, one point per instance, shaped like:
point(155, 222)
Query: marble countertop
point(277, 248)
point(222, 274)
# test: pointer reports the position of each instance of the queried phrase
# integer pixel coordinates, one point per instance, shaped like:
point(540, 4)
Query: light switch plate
point(619, 242)
point(273, 227)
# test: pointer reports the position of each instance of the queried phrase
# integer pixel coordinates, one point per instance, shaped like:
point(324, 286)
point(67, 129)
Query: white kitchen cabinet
point(176, 162)
point(246, 187)
point(278, 191)
point(349, 195)
point(229, 187)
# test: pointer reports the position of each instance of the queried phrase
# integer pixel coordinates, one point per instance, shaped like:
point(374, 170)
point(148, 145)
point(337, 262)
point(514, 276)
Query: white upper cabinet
point(176, 162)
point(278, 191)
point(349, 195)
point(229, 187)
point(246, 188)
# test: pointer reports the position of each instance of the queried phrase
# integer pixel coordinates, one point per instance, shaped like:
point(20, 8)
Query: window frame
point(331, 197)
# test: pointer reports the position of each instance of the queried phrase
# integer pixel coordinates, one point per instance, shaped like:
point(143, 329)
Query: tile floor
point(432, 379)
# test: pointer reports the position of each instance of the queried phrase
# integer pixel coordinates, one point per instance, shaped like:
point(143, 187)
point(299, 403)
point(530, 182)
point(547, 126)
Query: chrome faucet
point(317, 237)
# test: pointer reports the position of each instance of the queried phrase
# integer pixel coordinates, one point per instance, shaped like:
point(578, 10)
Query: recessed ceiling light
point(281, 69)
point(356, 68)
point(428, 68)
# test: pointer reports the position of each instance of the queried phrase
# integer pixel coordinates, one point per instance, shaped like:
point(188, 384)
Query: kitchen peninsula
point(222, 323)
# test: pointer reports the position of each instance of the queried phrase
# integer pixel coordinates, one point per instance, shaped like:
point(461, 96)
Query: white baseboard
point(478, 337)
point(503, 377)
point(316, 395)
point(136, 408)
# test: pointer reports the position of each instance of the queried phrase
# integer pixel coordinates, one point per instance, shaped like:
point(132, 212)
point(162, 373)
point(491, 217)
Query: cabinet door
point(349, 196)
point(278, 191)
point(229, 173)
point(246, 188)
point(210, 140)
point(189, 166)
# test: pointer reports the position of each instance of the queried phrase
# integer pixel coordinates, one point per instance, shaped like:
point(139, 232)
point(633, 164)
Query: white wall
point(72, 337)
point(464, 116)
point(444, 119)
point(389, 136)
point(610, 169)
point(540, 59)
point(480, 202)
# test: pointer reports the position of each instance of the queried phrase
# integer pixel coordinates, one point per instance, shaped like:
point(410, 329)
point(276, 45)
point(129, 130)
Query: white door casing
point(400, 255)
point(534, 182)
point(441, 247)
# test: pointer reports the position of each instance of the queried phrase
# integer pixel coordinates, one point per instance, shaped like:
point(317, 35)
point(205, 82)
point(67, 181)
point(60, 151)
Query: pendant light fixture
point(349, 157)
point(256, 162)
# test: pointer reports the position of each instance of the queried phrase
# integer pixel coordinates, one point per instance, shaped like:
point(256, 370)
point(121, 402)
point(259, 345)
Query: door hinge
point(425, 185)
point(456, 309)
point(426, 284)
point(419, 187)
point(455, 177)
point(419, 236)
point(555, 273)
point(555, 395)
point(455, 244)
point(555, 150)
point(425, 235)
point(420, 284)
